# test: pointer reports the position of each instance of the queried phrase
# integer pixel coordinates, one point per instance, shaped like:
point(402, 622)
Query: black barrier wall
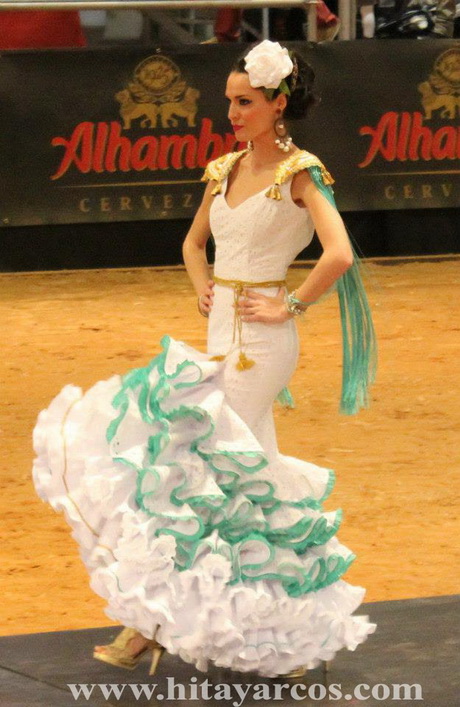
point(120, 138)
point(141, 243)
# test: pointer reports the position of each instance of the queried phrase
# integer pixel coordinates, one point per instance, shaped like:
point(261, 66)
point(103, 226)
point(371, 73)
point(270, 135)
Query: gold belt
point(244, 283)
point(238, 286)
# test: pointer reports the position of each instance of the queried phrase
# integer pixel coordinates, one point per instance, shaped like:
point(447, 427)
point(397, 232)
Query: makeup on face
point(249, 111)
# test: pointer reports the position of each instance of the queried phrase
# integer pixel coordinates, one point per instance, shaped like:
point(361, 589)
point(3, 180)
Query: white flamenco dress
point(193, 526)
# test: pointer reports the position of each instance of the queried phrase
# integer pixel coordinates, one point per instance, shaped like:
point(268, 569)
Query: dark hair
point(302, 99)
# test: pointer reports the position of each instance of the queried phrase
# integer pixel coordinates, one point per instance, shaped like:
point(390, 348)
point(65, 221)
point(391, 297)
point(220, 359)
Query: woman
point(203, 538)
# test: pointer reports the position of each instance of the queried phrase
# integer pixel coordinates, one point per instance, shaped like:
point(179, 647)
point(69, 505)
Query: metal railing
point(161, 5)
point(141, 4)
point(347, 9)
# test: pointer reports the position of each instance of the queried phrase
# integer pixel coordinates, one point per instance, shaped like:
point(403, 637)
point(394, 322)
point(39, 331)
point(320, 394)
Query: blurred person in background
point(366, 11)
point(444, 18)
point(416, 18)
point(285, 25)
point(24, 29)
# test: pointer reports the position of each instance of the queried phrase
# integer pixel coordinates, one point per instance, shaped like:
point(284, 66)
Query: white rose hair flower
point(267, 65)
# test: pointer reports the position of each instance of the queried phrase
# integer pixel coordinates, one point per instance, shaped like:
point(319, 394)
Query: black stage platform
point(416, 642)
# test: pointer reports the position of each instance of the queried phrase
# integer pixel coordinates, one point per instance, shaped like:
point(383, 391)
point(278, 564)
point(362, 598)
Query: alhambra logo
point(157, 94)
point(442, 89)
point(158, 100)
point(407, 136)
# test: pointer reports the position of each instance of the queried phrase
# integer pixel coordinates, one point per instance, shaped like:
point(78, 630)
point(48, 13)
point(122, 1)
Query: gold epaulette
point(296, 163)
point(220, 168)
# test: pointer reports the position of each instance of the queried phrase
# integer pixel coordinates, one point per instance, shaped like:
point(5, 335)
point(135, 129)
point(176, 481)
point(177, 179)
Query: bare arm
point(194, 251)
point(336, 258)
point(337, 255)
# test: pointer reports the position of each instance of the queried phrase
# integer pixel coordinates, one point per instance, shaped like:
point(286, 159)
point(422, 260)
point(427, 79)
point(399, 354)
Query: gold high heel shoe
point(116, 653)
point(301, 670)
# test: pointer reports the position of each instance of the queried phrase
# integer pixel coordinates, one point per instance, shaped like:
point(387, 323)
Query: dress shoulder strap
point(220, 168)
point(296, 163)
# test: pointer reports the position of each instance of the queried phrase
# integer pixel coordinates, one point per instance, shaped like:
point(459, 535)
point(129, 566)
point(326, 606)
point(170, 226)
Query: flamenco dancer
point(203, 538)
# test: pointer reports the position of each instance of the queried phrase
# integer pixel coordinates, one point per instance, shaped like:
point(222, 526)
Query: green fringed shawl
point(358, 334)
point(359, 341)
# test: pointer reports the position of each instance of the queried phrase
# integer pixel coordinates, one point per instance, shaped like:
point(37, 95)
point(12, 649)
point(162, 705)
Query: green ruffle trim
point(237, 504)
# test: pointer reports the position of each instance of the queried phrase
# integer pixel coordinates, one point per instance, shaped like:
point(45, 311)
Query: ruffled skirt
point(189, 528)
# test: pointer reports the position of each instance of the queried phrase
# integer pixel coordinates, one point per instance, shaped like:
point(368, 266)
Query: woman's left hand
point(255, 307)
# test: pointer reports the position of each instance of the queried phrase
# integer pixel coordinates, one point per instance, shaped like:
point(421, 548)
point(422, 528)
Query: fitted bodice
point(258, 239)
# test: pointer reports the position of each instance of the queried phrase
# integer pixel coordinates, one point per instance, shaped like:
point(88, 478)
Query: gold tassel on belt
point(244, 363)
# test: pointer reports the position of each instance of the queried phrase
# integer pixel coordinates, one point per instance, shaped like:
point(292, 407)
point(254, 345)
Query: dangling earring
point(250, 145)
point(283, 140)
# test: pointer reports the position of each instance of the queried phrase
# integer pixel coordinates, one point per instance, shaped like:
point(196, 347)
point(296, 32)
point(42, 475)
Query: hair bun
point(302, 97)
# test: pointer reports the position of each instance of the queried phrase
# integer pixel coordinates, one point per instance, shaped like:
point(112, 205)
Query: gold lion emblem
point(442, 89)
point(157, 91)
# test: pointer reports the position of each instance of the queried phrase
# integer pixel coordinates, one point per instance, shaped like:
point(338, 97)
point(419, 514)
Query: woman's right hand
point(205, 300)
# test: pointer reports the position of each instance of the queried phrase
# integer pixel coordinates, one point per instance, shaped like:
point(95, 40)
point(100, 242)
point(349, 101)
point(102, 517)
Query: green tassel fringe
point(285, 398)
point(358, 334)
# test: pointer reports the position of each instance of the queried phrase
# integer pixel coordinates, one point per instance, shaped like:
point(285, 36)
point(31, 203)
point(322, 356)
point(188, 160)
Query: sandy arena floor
point(396, 463)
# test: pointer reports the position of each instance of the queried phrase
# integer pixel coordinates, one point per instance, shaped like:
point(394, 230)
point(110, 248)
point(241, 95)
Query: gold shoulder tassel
point(244, 362)
point(217, 189)
point(274, 193)
point(327, 177)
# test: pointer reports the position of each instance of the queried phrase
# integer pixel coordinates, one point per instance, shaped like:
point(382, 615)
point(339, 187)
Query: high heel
point(296, 673)
point(157, 652)
point(301, 670)
point(117, 653)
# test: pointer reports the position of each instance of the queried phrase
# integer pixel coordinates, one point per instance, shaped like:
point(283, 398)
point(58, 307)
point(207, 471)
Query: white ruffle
point(195, 613)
